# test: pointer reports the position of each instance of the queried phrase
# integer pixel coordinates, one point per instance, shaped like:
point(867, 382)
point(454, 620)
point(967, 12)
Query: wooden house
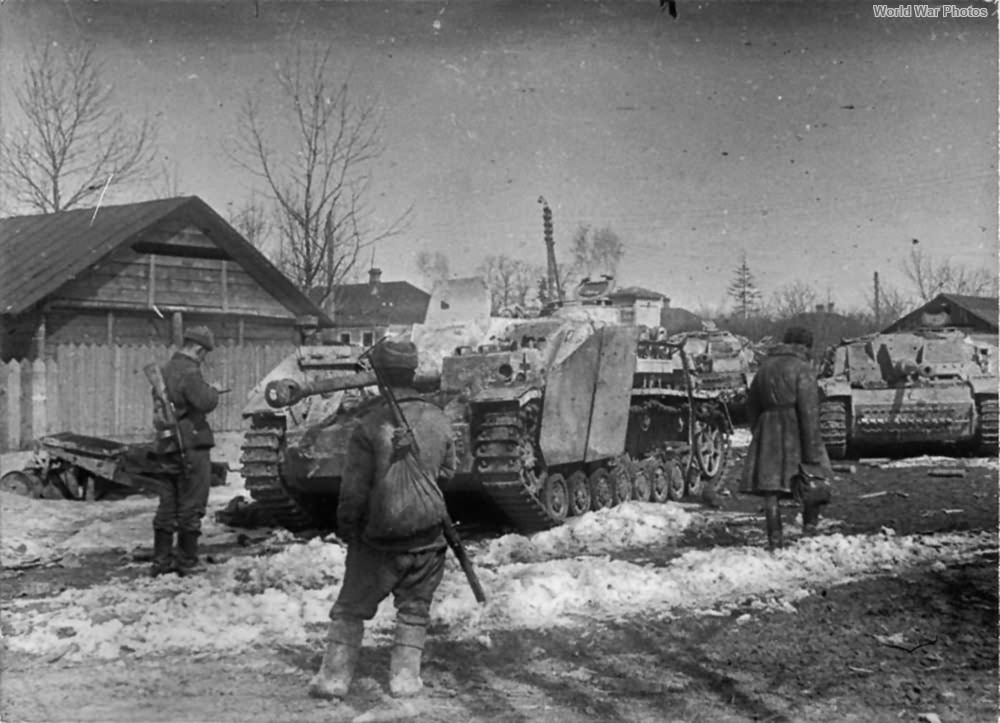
point(138, 273)
point(363, 313)
point(977, 316)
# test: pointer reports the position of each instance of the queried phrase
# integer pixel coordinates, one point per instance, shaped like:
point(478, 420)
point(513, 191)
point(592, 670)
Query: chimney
point(375, 280)
point(829, 307)
point(820, 308)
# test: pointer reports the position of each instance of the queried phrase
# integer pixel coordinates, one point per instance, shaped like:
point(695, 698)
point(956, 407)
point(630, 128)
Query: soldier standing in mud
point(182, 503)
point(394, 544)
point(783, 411)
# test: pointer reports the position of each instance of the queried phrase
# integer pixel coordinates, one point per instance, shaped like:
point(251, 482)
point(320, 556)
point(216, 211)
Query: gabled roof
point(675, 320)
point(982, 309)
point(40, 253)
point(636, 292)
point(397, 302)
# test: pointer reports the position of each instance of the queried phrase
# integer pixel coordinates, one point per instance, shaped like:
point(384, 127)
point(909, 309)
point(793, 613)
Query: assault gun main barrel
point(286, 392)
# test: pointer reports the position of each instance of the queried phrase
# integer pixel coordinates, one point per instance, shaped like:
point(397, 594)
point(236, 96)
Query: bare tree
point(510, 281)
point(433, 266)
point(793, 298)
point(931, 278)
point(167, 181)
point(892, 304)
point(320, 187)
point(69, 146)
point(252, 219)
point(597, 251)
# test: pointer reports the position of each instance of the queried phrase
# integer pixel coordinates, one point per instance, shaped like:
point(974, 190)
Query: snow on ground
point(48, 530)
point(566, 576)
point(740, 438)
point(932, 461)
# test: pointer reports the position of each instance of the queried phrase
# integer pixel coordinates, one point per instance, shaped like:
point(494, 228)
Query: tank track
point(262, 445)
point(500, 450)
point(833, 427)
point(989, 426)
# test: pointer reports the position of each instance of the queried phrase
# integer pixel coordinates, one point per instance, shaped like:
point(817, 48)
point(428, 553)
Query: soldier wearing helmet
point(183, 501)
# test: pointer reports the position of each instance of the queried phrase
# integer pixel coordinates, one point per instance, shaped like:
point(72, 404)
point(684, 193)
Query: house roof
point(675, 320)
point(42, 252)
point(397, 302)
point(982, 309)
point(636, 292)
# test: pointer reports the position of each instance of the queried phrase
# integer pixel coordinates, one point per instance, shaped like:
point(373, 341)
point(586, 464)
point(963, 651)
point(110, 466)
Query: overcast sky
point(811, 135)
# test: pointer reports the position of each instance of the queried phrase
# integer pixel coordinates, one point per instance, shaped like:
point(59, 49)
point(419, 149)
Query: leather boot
point(163, 553)
point(772, 517)
point(810, 519)
point(187, 560)
point(404, 663)
point(343, 645)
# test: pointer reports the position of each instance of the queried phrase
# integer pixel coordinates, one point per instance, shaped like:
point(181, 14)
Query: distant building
point(457, 301)
point(138, 273)
point(676, 320)
point(976, 315)
point(639, 306)
point(363, 313)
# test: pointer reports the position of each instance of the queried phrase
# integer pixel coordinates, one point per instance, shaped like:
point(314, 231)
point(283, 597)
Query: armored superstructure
point(552, 417)
point(931, 385)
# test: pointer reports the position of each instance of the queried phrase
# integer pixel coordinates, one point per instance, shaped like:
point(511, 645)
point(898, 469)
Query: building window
point(345, 337)
point(368, 338)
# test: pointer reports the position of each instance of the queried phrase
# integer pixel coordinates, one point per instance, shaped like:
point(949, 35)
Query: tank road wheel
point(695, 480)
point(833, 427)
point(602, 493)
point(988, 426)
point(659, 481)
point(710, 448)
point(675, 481)
point(642, 488)
point(24, 483)
point(555, 497)
point(579, 493)
point(621, 482)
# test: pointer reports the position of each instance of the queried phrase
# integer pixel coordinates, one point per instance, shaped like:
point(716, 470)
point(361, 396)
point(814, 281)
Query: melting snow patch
point(284, 598)
point(931, 461)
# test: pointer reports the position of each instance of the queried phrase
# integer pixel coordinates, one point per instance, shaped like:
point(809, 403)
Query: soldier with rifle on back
point(182, 399)
point(392, 515)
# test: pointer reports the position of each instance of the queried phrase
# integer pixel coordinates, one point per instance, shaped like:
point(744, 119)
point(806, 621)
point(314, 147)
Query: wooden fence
point(101, 391)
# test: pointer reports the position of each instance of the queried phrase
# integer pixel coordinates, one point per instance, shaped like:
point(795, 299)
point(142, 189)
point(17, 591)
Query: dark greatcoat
point(783, 411)
point(192, 397)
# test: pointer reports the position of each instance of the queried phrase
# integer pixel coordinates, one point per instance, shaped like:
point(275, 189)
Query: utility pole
point(550, 251)
point(878, 317)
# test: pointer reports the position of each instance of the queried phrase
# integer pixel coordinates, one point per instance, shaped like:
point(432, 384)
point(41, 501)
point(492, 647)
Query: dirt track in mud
point(890, 648)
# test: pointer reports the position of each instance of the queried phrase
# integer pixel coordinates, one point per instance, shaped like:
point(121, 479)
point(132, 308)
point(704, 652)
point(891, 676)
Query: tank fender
point(829, 388)
point(984, 386)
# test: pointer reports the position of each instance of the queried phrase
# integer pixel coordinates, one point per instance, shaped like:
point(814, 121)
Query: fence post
point(39, 384)
point(116, 390)
point(53, 422)
point(13, 383)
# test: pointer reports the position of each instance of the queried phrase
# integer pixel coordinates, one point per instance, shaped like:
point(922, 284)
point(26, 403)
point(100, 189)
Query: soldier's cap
point(798, 335)
point(395, 355)
point(200, 335)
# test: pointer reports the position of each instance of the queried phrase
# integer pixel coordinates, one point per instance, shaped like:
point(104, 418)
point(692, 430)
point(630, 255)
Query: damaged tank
point(722, 362)
point(552, 417)
point(891, 390)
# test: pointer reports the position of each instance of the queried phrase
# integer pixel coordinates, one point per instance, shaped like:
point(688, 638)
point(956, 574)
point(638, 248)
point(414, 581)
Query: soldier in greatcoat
point(184, 499)
point(783, 411)
point(395, 542)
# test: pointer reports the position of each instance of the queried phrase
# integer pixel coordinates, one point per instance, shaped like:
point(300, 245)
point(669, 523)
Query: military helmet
point(200, 335)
